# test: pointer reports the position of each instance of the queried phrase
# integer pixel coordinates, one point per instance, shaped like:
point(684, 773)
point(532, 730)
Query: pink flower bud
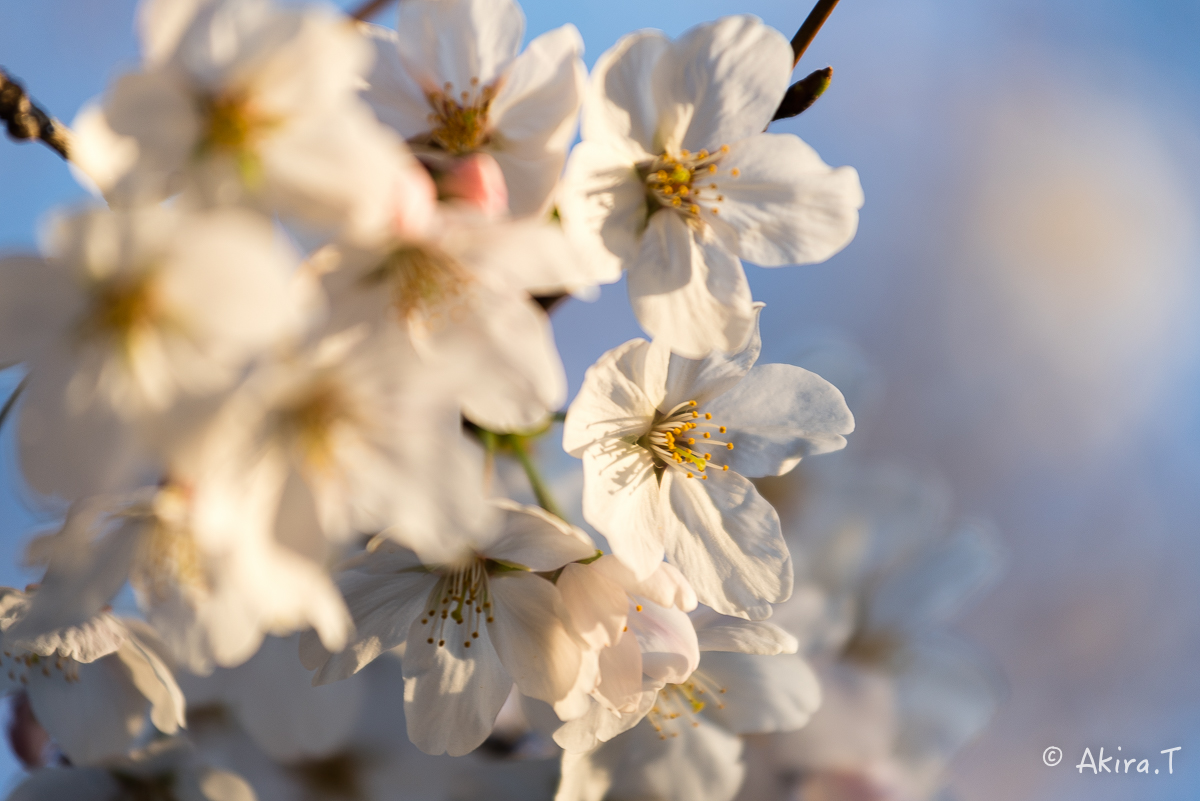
point(477, 180)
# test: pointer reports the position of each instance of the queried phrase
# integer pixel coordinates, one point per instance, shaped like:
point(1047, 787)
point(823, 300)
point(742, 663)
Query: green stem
point(540, 491)
point(808, 31)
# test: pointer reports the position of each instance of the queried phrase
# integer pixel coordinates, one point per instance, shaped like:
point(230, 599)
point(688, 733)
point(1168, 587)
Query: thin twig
point(369, 9)
point(12, 400)
point(26, 121)
point(808, 31)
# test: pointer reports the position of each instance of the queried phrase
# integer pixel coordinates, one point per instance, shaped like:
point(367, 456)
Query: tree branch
point(808, 31)
point(369, 9)
point(26, 121)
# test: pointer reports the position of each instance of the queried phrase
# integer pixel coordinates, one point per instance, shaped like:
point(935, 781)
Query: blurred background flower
point(1017, 314)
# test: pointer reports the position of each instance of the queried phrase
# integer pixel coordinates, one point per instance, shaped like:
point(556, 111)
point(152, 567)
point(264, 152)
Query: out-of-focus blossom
point(470, 629)
point(675, 180)
point(666, 442)
point(884, 574)
point(246, 101)
point(166, 769)
point(449, 79)
point(369, 439)
point(130, 311)
point(203, 560)
point(106, 666)
point(462, 294)
point(688, 747)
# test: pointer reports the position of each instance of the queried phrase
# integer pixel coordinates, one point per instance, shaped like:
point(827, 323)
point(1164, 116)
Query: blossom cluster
point(270, 382)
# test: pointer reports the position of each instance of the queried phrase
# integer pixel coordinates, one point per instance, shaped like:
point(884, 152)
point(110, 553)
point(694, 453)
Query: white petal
point(670, 651)
point(534, 115)
point(154, 680)
point(725, 79)
point(602, 204)
point(621, 679)
point(92, 719)
point(690, 294)
point(779, 414)
point(530, 635)
point(621, 110)
point(455, 41)
point(620, 394)
point(786, 205)
point(722, 633)
point(384, 606)
point(703, 763)
point(763, 694)
point(394, 95)
point(621, 500)
point(533, 538)
point(452, 694)
point(598, 606)
point(726, 539)
point(507, 348)
point(704, 379)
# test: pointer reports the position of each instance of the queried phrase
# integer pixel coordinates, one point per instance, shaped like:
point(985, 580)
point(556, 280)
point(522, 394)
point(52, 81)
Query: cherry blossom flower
point(450, 80)
point(470, 629)
point(640, 635)
point(461, 291)
point(130, 311)
point(748, 682)
point(107, 666)
point(666, 444)
point(675, 180)
point(369, 439)
point(246, 101)
point(201, 554)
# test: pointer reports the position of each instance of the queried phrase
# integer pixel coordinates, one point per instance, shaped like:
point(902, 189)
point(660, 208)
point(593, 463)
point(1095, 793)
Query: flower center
point(309, 420)
point(873, 648)
point(686, 182)
point(167, 556)
point(232, 124)
point(427, 284)
point(121, 308)
point(679, 439)
point(460, 596)
point(460, 120)
point(683, 701)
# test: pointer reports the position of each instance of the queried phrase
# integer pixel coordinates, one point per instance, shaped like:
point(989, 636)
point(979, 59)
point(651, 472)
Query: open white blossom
point(90, 684)
point(461, 291)
point(449, 79)
point(201, 555)
point(666, 444)
point(675, 180)
point(247, 101)
point(368, 438)
point(129, 311)
point(642, 639)
point(470, 629)
point(687, 748)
